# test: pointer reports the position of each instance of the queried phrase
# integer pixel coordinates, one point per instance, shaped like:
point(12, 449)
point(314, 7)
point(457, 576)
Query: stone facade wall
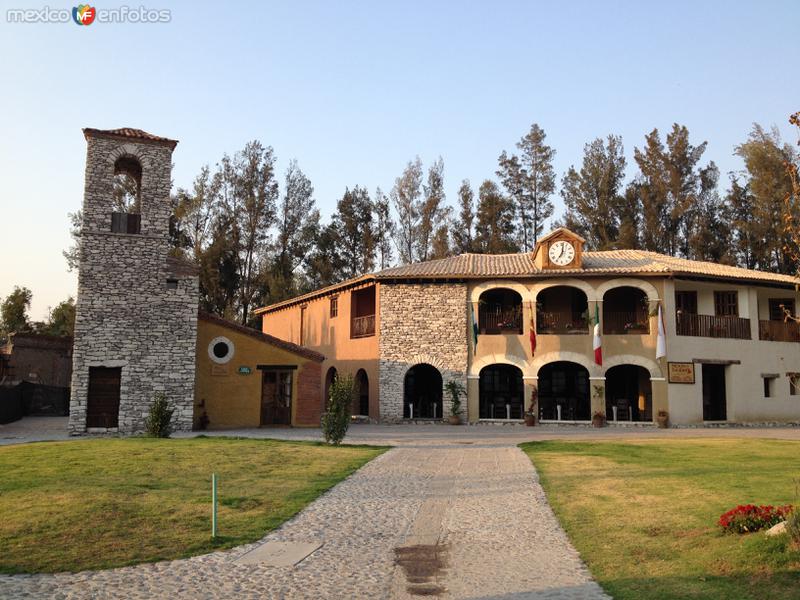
point(420, 323)
point(126, 315)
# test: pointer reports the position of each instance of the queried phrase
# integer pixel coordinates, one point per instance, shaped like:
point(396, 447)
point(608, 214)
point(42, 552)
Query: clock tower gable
point(559, 249)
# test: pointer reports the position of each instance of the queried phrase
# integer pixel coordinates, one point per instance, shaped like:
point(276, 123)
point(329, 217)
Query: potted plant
point(456, 390)
point(598, 419)
point(530, 414)
point(662, 419)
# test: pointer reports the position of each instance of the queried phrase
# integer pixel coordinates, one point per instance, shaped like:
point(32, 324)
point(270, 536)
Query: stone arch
point(564, 356)
point(485, 286)
point(425, 359)
point(586, 288)
point(127, 150)
point(499, 359)
point(648, 288)
point(631, 359)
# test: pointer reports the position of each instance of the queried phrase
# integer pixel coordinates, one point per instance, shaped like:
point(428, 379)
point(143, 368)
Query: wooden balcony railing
point(558, 323)
point(626, 322)
point(362, 326)
point(779, 331)
point(495, 318)
point(713, 326)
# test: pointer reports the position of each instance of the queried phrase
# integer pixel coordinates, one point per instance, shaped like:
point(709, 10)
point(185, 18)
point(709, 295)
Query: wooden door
point(715, 404)
point(102, 406)
point(276, 398)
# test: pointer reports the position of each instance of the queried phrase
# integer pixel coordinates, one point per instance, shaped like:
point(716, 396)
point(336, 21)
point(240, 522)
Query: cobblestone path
point(448, 521)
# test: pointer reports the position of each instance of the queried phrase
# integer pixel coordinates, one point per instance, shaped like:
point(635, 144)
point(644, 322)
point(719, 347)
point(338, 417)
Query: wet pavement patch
point(422, 565)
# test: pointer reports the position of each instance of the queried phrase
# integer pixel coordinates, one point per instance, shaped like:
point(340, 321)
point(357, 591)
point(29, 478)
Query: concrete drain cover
point(279, 554)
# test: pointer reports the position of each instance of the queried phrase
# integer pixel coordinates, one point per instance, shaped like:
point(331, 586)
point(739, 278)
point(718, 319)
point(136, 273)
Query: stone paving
point(455, 519)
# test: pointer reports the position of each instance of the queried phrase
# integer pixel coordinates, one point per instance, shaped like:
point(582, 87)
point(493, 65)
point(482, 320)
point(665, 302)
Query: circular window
point(220, 350)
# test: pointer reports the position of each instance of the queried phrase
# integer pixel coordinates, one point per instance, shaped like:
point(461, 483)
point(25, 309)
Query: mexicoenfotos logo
point(83, 14)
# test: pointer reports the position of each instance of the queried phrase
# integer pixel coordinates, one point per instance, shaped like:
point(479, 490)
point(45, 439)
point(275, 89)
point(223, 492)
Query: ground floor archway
point(362, 394)
point(422, 393)
point(330, 377)
point(629, 391)
point(564, 392)
point(502, 392)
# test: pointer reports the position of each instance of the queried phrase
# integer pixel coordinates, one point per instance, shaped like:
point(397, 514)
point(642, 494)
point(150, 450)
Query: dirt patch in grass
point(643, 514)
point(93, 504)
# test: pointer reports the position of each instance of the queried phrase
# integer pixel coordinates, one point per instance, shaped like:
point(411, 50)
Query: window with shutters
point(726, 304)
point(334, 306)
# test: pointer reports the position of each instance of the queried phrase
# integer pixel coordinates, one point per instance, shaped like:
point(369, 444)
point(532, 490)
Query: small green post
point(213, 505)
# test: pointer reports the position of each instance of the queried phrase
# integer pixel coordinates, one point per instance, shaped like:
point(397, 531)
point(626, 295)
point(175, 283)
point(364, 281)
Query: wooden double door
point(276, 397)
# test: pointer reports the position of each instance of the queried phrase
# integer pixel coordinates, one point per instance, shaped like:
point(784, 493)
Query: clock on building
point(561, 253)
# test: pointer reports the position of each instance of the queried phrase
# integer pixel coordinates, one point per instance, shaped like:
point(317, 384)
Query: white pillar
point(558, 408)
point(508, 412)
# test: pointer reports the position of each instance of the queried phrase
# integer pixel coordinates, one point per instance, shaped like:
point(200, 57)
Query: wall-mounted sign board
point(680, 372)
point(244, 370)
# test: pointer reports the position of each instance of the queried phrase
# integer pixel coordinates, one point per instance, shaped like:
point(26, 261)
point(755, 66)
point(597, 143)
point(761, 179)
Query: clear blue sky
point(354, 90)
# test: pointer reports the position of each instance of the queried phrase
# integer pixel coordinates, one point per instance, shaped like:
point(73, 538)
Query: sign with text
point(245, 370)
point(680, 372)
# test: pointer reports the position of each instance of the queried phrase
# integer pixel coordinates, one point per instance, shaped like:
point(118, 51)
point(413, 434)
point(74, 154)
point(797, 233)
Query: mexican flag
point(597, 342)
point(533, 334)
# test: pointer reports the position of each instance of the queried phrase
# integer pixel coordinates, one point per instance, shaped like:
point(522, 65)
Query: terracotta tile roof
point(130, 133)
point(629, 262)
point(263, 337)
point(499, 266)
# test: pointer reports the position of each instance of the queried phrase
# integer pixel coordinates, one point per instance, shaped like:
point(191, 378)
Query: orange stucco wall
point(331, 337)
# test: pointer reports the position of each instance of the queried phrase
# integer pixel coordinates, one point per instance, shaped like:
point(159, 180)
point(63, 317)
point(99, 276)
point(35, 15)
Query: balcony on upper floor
point(500, 312)
point(362, 313)
point(562, 310)
point(625, 312)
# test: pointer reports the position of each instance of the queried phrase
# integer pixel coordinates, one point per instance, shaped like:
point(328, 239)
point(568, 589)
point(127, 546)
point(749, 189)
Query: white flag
point(661, 342)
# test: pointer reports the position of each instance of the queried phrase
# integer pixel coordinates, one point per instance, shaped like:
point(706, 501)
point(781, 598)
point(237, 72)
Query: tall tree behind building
point(355, 232)
point(405, 196)
point(710, 236)
point(248, 194)
point(593, 196)
point(463, 227)
point(494, 230)
point(766, 157)
point(529, 180)
point(384, 229)
point(296, 228)
point(432, 214)
point(669, 184)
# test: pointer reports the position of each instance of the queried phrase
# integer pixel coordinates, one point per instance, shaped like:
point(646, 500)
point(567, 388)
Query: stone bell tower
point(136, 312)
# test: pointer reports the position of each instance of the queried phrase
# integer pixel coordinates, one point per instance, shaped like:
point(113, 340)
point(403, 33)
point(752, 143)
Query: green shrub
point(456, 390)
point(159, 421)
point(336, 418)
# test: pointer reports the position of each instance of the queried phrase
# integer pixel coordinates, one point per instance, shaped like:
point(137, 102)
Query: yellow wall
point(233, 400)
point(331, 337)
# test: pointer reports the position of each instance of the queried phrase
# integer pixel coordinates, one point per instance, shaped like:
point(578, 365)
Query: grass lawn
point(93, 504)
point(643, 514)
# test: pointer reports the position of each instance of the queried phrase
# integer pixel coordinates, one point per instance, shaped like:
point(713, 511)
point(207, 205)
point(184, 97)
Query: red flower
point(749, 517)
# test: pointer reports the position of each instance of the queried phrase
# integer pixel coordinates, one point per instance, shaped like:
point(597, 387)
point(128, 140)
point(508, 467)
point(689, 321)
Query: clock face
point(561, 253)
